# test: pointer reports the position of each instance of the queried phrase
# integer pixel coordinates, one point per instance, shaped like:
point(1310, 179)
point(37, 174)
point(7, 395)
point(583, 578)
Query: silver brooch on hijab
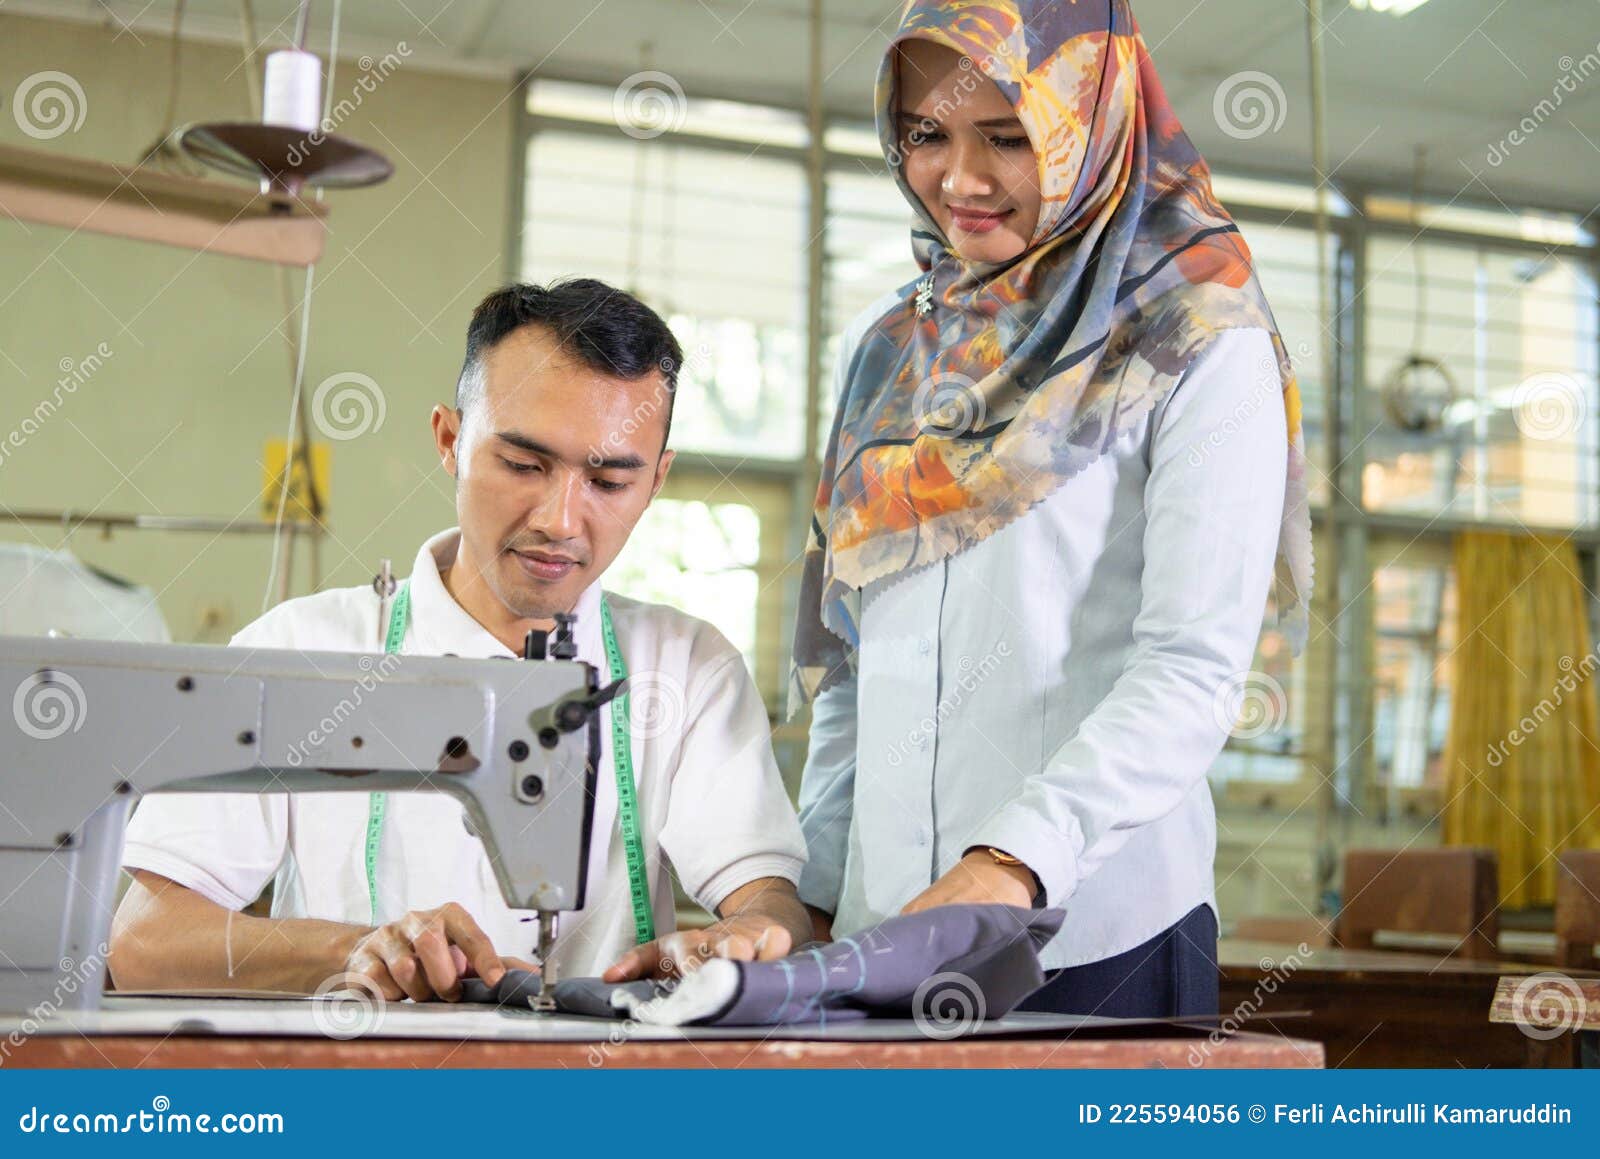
point(924, 296)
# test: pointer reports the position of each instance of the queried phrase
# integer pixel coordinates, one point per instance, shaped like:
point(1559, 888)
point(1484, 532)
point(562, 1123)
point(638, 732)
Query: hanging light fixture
point(289, 149)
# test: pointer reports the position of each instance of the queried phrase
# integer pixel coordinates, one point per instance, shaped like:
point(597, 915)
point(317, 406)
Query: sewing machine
point(94, 724)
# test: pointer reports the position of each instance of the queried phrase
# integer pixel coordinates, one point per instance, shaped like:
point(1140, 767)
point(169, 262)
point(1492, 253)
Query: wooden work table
point(1382, 1008)
point(1248, 1049)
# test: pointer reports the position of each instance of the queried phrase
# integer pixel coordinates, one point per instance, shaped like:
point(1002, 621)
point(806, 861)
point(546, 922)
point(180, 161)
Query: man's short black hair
point(607, 329)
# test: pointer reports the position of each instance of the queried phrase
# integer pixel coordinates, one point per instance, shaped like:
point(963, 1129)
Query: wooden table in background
point(1381, 1008)
point(1559, 1009)
point(1178, 1053)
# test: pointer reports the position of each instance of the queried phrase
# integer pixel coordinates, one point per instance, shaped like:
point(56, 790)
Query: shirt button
point(923, 645)
point(922, 836)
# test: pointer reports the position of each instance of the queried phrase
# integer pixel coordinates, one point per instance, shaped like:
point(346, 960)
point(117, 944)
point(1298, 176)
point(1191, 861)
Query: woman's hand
point(978, 878)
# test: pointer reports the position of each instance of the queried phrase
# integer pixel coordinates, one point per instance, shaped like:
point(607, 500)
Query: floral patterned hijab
point(987, 386)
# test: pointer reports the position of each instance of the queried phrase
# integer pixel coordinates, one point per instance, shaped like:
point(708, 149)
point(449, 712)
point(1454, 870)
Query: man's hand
point(761, 921)
point(165, 936)
point(741, 938)
point(978, 878)
point(425, 954)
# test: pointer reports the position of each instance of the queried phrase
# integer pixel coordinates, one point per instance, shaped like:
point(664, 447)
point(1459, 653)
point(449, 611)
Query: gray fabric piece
point(955, 963)
point(588, 996)
point(516, 988)
point(949, 968)
point(596, 998)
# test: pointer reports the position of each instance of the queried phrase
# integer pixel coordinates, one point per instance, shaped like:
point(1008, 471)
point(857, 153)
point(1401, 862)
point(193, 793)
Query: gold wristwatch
point(1001, 857)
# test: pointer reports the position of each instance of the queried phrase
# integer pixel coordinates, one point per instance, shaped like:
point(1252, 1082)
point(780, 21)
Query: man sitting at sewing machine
point(557, 444)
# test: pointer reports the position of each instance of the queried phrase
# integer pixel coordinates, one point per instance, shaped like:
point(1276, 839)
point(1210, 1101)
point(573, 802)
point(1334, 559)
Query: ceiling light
point(1392, 7)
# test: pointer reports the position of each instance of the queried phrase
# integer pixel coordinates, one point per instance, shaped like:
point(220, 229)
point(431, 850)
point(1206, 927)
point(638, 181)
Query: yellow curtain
point(1522, 766)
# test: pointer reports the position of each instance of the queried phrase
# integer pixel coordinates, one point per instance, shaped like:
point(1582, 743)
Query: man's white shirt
point(711, 800)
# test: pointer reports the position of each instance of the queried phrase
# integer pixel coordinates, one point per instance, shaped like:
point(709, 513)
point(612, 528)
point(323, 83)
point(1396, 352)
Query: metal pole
point(806, 481)
point(517, 195)
point(816, 233)
point(70, 519)
point(1324, 749)
point(1356, 617)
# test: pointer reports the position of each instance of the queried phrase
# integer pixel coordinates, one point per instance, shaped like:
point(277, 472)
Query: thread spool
point(291, 95)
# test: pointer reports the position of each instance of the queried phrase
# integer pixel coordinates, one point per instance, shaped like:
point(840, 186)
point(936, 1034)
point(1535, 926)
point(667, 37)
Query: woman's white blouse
point(1059, 690)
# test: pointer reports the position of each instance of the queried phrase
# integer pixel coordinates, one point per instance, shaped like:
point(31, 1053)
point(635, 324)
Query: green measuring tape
point(378, 803)
point(644, 925)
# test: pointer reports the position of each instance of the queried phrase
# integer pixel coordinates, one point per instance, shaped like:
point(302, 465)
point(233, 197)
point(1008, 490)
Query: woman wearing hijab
point(1065, 466)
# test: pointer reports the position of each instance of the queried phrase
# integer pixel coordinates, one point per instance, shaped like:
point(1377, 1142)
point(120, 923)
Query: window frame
point(1347, 531)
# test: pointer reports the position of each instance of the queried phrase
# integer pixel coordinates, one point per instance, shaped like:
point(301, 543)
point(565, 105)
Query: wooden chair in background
point(1452, 891)
point(1578, 909)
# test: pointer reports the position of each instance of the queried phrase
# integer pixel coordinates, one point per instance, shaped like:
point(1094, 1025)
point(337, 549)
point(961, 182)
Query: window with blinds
point(1413, 662)
point(700, 557)
point(868, 253)
point(714, 241)
point(1509, 340)
point(707, 221)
